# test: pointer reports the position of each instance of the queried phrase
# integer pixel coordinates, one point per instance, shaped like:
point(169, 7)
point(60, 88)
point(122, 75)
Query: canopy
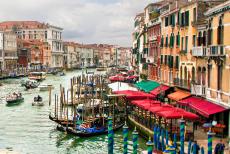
point(176, 113)
point(202, 106)
point(135, 95)
point(116, 78)
point(146, 103)
point(120, 86)
point(147, 85)
point(164, 107)
point(179, 95)
point(131, 77)
point(159, 89)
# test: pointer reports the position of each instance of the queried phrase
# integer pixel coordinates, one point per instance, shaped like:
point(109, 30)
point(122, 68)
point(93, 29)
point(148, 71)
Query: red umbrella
point(135, 95)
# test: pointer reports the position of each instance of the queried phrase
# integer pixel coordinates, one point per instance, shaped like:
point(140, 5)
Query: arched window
point(181, 69)
point(199, 39)
point(199, 75)
point(185, 73)
point(204, 38)
point(193, 73)
point(220, 31)
point(203, 76)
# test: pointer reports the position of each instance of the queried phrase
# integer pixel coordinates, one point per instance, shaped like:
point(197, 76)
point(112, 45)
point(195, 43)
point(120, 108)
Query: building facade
point(8, 51)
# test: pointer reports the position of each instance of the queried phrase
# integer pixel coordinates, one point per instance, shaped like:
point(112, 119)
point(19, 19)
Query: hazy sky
point(84, 21)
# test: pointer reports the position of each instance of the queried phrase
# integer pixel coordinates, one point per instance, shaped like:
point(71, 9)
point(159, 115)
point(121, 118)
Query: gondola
point(62, 122)
point(97, 132)
point(31, 84)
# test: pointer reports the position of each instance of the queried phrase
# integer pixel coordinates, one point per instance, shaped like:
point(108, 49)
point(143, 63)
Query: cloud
point(88, 21)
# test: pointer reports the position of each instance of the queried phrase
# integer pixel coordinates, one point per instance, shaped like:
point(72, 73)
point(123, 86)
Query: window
point(162, 41)
point(162, 58)
point(166, 41)
point(171, 40)
point(194, 40)
point(182, 19)
point(182, 43)
point(199, 39)
point(165, 59)
point(177, 62)
point(204, 38)
point(187, 18)
point(178, 39)
point(166, 21)
point(186, 44)
point(194, 14)
point(220, 32)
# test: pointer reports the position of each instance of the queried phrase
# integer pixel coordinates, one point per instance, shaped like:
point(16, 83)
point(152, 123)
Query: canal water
point(27, 129)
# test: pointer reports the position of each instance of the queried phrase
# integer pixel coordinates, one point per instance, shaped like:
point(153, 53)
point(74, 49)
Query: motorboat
point(14, 98)
point(39, 76)
point(31, 84)
point(45, 87)
point(38, 101)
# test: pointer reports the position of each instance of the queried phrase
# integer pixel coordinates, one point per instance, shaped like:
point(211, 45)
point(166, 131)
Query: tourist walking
point(219, 149)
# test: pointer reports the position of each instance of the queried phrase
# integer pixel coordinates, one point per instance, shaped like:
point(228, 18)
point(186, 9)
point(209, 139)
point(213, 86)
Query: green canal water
point(27, 129)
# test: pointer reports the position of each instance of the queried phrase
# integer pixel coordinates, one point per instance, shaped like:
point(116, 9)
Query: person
point(39, 98)
point(195, 148)
point(219, 149)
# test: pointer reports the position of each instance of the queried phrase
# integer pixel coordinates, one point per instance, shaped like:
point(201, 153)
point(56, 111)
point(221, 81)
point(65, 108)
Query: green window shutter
point(165, 59)
point(166, 41)
point(161, 59)
point(172, 40)
point(178, 18)
point(186, 44)
point(173, 20)
point(178, 39)
point(162, 41)
point(177, 62)
point(187, 18)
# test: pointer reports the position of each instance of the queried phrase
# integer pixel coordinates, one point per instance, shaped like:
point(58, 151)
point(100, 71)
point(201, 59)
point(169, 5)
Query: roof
point(135, 95)
point(159, 89)
point(147, 85)
point(179, 95)
point(202, 106)
point(219, 8)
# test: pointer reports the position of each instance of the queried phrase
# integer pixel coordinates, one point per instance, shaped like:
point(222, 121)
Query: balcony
point(181, 83)
point(216, 51)
point(198, 90)
point(199, 51)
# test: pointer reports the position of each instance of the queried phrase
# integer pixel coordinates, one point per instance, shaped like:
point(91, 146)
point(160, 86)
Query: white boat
point(45, 87)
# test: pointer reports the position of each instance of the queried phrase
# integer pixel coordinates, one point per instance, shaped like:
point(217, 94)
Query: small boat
point(14, 98)
point(39, 76)
point(45, 87)
point(38, 101)
point(61, 74)
point(31, 84)
point(82, 131)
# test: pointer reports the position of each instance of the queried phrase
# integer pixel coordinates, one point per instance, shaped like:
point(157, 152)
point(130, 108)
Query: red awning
point(164, 107)
point(177, 113)
point(202, 106)
point(159, 89)
point(145, 104)
point(131, 77)
point(116, 78)
point(135, 95)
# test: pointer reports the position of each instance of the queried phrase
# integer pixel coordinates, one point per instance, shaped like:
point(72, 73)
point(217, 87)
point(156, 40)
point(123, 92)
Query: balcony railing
point(216, 51)
point(181, 83)
point(198, 90)
point(199, 51)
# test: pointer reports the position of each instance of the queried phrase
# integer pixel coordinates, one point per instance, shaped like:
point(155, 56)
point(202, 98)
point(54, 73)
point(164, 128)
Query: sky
point(84, 21)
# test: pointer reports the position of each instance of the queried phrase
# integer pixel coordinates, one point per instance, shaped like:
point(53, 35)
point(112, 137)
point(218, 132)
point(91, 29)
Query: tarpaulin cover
point(134, 95)
point(159, 89)
point(179, 95)
point(147, 85)
point(202, 106)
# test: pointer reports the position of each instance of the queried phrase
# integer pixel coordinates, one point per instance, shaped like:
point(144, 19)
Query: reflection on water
point(27, 129)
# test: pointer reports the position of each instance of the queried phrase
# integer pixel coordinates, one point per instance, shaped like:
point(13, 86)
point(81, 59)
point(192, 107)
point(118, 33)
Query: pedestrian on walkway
point(195, 148)
point(219, 149)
